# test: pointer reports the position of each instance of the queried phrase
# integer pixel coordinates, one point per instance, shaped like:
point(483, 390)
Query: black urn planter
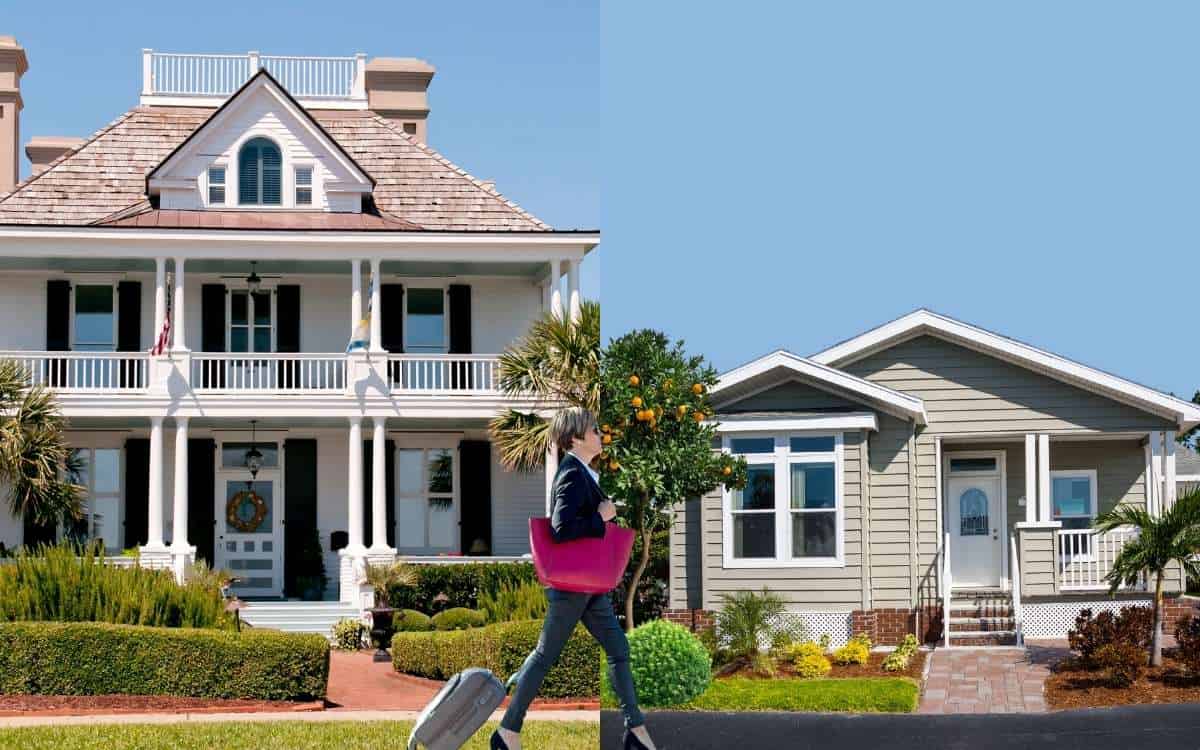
point(381, 632)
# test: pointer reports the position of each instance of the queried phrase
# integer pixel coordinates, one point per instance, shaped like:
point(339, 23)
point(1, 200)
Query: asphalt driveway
point(1148, 727)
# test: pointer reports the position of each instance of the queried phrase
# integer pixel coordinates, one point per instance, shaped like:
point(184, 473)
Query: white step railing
point(208, 76)
point(1014, 563)
point(1085, 557)
point(946, 585)
point(280, 373)
point(72, 372)
point(460, 374)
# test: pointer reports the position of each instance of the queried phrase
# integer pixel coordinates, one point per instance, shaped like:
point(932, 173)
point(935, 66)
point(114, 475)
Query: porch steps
point(981, 617)
point(297, 616)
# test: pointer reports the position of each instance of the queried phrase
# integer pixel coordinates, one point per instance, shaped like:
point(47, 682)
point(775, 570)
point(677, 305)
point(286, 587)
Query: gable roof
point(106, 174)
point(892, 401)
point(261, 81)
point(925, 322)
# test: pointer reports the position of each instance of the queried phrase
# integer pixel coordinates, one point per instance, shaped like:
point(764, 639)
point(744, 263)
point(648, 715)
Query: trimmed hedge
point(69, 658)
point(460, 583)
point(458, 618)
point(502, 648)
point(410, 620)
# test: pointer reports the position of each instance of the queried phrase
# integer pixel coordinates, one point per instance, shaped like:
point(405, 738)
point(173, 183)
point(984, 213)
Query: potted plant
point(381, 578)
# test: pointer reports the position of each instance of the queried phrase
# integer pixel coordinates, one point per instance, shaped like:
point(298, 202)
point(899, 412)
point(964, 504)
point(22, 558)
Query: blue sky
point(777, 174)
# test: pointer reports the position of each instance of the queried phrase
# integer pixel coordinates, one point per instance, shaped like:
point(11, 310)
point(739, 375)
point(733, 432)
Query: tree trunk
point(1156, 644)
point(643, 561)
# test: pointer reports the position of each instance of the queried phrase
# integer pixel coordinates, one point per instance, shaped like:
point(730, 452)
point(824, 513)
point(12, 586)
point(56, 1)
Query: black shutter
point(287, 332)
point(129, 328)
point(201, 497)
point(475, 494)
point(389, 448)
point(299, 508)
point(389, 488)
point(137, 491)
point(212, 330)
point(391, 333)
point(37, 534)
point(460, 334)
point(58, 328)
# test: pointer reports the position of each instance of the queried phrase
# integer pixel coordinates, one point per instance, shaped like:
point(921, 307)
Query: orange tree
point(658, 440)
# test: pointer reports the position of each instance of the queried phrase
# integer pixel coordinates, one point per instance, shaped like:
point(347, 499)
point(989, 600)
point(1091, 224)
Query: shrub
point(410, 620)
point(459, 618)
point(853, 652)
point(1124, 662)
point(897, 661)
point(825, 641)
point(348, 634)
point(669, 663)
point(863, 640)
point(71, 584)
point(61, 658)
point(1187, 636)
point(909, 645)
point(809, 659)
point(720, 655)
point(1132, 625)
point(460, 584)
point(502, 648)
point(514, 602)
point(744, 621)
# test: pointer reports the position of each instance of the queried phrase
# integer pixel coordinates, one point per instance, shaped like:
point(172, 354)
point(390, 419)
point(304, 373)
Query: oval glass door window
point(973, 513)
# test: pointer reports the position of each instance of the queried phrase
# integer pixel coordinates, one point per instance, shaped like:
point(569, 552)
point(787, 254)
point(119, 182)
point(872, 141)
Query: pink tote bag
point(589, 565)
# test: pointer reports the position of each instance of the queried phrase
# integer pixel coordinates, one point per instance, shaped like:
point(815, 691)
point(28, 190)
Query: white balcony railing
point(332, 79)
point(275, 373)
point(72, 372)
point(1085, 557)
point(461, 374)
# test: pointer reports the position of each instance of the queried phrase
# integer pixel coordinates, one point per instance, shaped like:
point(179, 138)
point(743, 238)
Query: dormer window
point(304, 186)
point(216, 186)
point(259, 174)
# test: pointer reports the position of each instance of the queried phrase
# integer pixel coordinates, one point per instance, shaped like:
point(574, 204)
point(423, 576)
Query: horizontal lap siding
point(813, 589)
point(791, 396)
point(686, 576)
point(891, 515)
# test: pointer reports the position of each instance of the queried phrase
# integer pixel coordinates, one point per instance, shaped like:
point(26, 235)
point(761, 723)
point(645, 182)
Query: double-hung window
point(98, 471)
point(304, 180)
point(216, 186)
point(790, 512)
point(1073, 497)
point(425, 324)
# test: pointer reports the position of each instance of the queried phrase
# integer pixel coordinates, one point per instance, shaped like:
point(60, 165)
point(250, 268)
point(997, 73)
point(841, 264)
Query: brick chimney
point(396, 89)
point(43, 149)
point(12, 66)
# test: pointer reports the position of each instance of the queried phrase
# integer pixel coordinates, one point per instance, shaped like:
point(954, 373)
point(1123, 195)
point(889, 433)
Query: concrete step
point(983, 638)
point(972, 611)
point(982, 624)
point(298, 617)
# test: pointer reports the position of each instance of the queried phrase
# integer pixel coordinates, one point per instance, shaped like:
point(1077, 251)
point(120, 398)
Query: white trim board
point(922, 321)
point(840, 422)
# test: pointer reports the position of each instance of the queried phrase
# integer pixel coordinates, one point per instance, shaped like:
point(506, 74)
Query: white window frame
point(312, 184)
point(234, 168)
point(782, 457)
point(409, 285)
point(90, 495)
point(208, 185)
point(249, 318)
point(75, 284)
point(1094, 491)
point(428, 445)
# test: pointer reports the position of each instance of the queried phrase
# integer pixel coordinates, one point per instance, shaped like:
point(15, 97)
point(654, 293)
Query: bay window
point(790, 513)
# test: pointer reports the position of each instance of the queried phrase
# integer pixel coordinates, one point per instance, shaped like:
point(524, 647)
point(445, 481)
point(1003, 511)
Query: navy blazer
point(574, 513)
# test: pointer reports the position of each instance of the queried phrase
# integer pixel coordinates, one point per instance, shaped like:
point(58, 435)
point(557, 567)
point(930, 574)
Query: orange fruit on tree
point(605, 428)
point(727, 470)
point(698, 416)
point(634, 380)
point(681, 410)
point(636, 401)
point(697, 388)
point(613, 465)
point(607, 439)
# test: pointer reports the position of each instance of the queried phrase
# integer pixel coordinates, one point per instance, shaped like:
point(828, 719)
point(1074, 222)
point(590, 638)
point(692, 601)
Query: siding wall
point(791, 396)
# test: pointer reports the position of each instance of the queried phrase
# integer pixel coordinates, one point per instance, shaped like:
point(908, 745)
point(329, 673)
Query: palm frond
point(522, 440)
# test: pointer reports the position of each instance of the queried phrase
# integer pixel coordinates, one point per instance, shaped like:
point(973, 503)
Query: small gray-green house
point(926, 466)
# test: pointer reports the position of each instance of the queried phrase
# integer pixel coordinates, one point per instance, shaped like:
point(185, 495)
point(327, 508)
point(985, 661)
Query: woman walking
point(580, 510)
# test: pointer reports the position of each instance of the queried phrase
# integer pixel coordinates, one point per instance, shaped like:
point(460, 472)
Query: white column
point(551, 470)
point(179, 498)
point(1031, 478)
point(556, 305)
point(154, 515)
point(379, 487)
point(546, 301)
point(573, 293)
point(376, 309)
point(1152, 487)
point(1044, 500)
point(355, 294)
point(178, 324)
point(1169, 486)
point(160, 296)
point(355, 490)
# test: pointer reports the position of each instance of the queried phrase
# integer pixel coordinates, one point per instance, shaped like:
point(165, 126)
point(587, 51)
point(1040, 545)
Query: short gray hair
point(568, 424)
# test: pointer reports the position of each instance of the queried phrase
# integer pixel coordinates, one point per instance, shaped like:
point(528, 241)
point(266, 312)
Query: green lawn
point(575, 735)
point(861, 695)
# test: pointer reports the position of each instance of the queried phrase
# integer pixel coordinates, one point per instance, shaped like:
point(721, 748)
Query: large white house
point(262, 205)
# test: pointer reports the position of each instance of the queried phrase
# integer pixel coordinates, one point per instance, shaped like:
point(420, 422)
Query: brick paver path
point(983, 681)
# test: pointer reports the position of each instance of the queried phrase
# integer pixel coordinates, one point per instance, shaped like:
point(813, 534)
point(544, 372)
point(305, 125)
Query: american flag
point(164, 336)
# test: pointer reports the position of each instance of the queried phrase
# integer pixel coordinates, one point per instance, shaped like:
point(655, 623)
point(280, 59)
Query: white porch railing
point(946, 584)
point(1085, 557)
point(462, 559)
point(171, 74)
point(1014, 562)
point(459, 374)
point(290, 373)
point(84, 371)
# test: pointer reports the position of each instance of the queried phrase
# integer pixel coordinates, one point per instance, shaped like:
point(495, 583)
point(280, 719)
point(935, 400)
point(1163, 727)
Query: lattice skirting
point(812, 625)
point(1054, 619)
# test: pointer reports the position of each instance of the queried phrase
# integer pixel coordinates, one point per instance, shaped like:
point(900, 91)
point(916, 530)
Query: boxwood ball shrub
point(410, 620)
point(92, 658)
point(459, 618)
point(670, 665)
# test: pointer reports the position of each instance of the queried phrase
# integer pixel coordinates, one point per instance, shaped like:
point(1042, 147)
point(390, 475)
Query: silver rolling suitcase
point(458, 710)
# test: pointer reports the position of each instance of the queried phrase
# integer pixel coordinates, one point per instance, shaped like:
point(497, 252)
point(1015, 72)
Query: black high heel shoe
point(496, 742)
point(631, 742)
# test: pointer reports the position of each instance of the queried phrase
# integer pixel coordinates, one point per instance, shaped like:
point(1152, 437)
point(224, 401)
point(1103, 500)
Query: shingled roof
point(106, 176)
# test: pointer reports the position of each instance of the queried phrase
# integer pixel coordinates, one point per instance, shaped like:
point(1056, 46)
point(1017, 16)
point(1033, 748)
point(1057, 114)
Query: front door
point(249, 540)
point(975, 520)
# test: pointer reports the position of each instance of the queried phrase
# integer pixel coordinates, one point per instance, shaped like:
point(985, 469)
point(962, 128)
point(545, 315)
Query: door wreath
point(245, 511)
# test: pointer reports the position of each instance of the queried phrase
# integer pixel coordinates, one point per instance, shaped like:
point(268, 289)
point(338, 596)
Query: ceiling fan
point(253, 281)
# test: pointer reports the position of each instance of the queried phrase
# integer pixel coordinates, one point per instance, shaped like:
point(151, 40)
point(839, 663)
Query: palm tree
point(33, 453)
point(557, 363)
point(1169, 537)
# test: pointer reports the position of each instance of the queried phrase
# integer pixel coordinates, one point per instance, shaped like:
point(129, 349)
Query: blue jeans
point(566, 609)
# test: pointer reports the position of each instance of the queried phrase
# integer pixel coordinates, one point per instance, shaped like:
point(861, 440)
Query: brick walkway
point(983, 681)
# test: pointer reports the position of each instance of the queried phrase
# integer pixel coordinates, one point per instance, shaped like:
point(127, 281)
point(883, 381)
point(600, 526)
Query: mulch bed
point(1069, 686)
point(873, 668)
point(76, 705)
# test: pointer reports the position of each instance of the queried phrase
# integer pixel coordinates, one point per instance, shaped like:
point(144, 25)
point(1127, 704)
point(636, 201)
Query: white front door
point(249, 540)
point(974, 515)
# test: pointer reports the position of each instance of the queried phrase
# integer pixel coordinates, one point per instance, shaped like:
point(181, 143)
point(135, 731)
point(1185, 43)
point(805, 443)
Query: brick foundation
point(1175, 608)
point(692, 619)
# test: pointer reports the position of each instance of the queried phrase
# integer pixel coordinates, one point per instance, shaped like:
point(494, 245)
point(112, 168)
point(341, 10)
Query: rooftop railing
point(207, 76)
